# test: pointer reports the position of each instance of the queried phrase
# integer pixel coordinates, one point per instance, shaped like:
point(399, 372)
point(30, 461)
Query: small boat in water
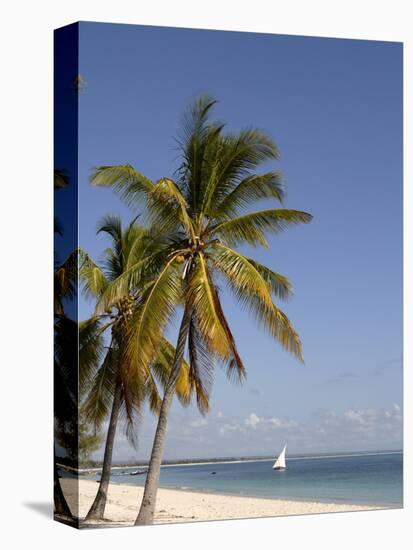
point(137, 472)
point(280, 463)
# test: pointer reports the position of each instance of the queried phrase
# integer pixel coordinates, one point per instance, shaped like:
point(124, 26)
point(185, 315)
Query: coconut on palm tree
point(206, 211)
point(111, 387)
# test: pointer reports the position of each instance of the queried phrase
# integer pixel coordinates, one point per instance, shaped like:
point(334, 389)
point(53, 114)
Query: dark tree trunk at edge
point(61, 506)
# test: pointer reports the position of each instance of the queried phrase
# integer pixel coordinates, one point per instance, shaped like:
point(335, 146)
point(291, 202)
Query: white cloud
point(281, 423)
point(354, 416)
point(252, 420)
point(224, 436)
point(198, 423)
point(230, 428)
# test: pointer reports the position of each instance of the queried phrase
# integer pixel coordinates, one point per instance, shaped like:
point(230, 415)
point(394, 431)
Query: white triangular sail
point(280, 464)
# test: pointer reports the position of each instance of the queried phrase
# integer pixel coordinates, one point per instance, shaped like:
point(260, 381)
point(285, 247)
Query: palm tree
point(65, 362)
point(206, 210)
point(110, 386)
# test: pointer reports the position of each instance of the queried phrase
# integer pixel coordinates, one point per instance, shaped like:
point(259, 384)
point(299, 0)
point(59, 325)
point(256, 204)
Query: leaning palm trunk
point(61, 506)
point(147, 509)
point(97, 509)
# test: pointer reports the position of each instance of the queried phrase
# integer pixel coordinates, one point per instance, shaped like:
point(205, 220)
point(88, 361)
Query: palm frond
point(131, 185)
point(250, 228)
point(161, 368)
point(66, 280)
point(98, 401)
point(237, 155)
point(112, 225)
point(130, 415)
point(235, 369)
point(91, 351)
point(60, 178)
point(201, 297)
point(137, 275)
point(249, 190)
point(152, 314)
point(93, 279)
point(246, 275)
point(209, 322)
point(169, 207)
point(252, 284)
point(198, 135)
point(276, 323)
point(151, 390)
point(280, 285)
point(201, 366)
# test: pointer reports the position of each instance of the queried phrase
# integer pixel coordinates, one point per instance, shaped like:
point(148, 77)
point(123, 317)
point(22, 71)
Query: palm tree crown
point(102, 367)
point(205, 213)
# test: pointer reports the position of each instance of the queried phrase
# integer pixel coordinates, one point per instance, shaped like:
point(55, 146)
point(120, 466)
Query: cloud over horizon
point(218, 435)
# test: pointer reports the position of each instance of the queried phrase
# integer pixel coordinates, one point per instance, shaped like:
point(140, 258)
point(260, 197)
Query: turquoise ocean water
point(373, 478)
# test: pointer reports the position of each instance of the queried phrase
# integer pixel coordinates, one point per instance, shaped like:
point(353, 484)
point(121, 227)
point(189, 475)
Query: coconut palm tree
point(111, 387)
point(206, 208)
point(65, 334)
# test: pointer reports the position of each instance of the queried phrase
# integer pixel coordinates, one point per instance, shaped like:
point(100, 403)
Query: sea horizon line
point(235, 460)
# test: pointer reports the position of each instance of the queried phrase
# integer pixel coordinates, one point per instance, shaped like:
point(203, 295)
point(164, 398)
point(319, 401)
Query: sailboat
point(280, 464)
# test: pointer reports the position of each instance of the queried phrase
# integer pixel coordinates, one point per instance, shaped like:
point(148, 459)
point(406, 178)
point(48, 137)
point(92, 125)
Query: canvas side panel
point(66, 398)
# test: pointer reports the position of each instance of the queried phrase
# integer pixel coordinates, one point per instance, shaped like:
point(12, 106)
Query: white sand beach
point(186, 506)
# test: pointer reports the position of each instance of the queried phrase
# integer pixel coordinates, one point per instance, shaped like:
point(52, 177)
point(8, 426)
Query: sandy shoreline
point(186, 506)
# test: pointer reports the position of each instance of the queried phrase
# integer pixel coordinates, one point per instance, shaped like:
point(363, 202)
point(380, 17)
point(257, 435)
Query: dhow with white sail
point(280, 463)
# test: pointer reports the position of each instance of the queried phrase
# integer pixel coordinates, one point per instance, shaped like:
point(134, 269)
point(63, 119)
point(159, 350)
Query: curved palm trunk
point(98, 507)
point(147, 509)
point(61, 506)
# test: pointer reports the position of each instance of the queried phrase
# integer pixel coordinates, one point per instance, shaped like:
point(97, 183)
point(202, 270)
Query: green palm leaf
point(93, 279)
point(91, 351)
point(198, 135)
point(236, 156)
point(161, 368)
point(247, 275)
point(209, 318)
point(65, 281)
point(60, 178)
point(201, 366)
point(169, 207)
point(250, 228)
point(138, 274)
point(252, 285)
point(152, 314)
point(249, 190)
point(99, 399)
point(201, 297)
point(124, 179)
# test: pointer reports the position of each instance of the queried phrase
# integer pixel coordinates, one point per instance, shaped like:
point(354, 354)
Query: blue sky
point(334, 107)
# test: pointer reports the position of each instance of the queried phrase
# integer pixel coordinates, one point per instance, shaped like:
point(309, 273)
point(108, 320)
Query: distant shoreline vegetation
point(97, 465)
